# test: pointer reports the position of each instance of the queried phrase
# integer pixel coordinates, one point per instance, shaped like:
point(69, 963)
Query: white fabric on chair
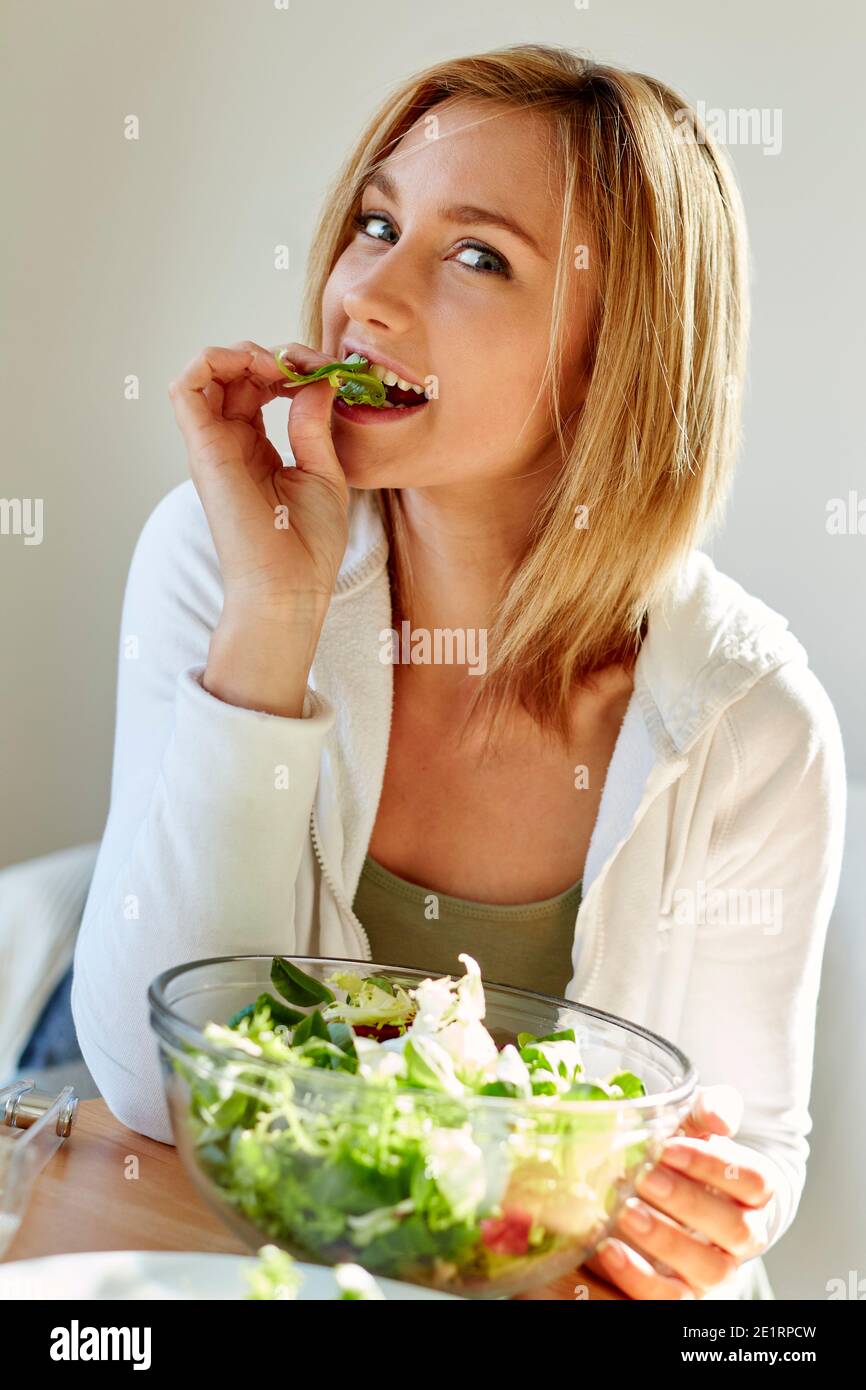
point(41, 902)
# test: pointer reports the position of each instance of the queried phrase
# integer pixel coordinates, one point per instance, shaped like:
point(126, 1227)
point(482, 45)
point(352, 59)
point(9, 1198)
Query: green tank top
point(527, 944)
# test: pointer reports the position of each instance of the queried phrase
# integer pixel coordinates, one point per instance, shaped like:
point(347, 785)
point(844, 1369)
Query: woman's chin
point(368, 465)
point(372, 473)
point(363, 481)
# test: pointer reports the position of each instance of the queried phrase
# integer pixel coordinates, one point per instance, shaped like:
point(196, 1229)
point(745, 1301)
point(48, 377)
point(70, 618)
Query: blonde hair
point(652, 452)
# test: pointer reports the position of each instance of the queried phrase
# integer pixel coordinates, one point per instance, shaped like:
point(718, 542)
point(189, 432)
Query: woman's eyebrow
point(467, 212)
point(461, 212)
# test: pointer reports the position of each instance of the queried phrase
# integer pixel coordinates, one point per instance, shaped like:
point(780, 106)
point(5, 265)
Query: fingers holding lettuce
point(279, 532)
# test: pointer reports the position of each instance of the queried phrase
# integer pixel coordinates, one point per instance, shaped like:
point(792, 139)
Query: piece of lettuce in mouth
point(350, 379)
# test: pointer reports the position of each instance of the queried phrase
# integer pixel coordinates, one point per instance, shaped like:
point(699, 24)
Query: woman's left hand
point(700, 1212)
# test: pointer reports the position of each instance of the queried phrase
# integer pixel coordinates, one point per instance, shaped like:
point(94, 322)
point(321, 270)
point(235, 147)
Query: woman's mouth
point(402, 399)
point(387, 414)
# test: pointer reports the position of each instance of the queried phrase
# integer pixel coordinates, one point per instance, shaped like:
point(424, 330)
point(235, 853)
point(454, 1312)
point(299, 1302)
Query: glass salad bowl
point(350, 1111)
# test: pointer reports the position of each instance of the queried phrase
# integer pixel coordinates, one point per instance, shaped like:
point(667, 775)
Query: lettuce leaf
point(351, 382)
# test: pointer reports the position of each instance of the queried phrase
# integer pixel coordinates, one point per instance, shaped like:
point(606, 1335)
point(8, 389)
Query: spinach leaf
point(628, 1083)
point(297, 986)
point(312, 1026)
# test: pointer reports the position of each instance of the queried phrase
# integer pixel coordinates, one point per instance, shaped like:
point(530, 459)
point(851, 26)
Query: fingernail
point(657, 1183)
point(678, 1156)
point(636, 1219)
point(612, 1254)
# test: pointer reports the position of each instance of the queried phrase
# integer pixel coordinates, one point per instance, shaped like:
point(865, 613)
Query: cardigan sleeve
point(209, 812)
point(772, 878)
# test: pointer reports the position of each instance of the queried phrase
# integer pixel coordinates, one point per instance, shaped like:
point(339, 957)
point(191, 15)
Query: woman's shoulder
point(177, 522)
point(784, 699)
point(174, 567)
point(782, 731)
point(788, 718)
point(724, 664)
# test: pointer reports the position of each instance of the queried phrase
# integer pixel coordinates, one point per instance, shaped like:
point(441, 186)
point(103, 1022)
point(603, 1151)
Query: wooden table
point(108, 1188)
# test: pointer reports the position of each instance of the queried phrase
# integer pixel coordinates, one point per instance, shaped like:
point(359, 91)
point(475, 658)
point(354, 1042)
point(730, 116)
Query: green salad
point(410, 1173)
point(352, 382)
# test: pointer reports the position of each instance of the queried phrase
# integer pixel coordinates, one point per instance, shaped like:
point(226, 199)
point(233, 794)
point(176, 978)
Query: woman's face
point(448, 280)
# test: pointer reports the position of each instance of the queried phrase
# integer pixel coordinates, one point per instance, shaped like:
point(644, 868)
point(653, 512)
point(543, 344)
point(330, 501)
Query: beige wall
point(124, 257)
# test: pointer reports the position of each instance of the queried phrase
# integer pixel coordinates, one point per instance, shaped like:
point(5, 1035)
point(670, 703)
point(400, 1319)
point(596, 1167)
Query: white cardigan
point(726, 789)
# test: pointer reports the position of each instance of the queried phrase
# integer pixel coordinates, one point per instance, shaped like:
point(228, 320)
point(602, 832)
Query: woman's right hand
point(280, 533)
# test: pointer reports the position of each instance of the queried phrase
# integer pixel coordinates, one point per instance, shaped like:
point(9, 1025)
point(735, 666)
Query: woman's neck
point(464, 543)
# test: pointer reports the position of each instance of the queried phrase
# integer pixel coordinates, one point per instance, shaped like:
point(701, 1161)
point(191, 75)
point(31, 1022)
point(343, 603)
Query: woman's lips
point(375, 414)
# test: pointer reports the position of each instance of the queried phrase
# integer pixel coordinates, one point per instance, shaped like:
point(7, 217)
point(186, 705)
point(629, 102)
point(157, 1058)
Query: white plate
point(156, 1274)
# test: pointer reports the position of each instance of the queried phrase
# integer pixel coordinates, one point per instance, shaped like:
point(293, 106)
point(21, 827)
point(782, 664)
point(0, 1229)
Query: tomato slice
point(380, 1031)
point(507, 1234)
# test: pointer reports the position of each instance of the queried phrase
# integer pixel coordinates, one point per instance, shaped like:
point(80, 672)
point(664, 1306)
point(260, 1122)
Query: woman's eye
point(372, 223)
point(478, 256)
point(483, 258)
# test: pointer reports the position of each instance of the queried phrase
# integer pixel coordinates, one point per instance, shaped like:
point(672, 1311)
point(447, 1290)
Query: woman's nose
point(380, 298)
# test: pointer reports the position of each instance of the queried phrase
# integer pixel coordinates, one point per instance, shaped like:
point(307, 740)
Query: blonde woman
point(632, 795)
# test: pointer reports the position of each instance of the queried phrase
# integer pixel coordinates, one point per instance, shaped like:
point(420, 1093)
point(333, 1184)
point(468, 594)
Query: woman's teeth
point(389, 378)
